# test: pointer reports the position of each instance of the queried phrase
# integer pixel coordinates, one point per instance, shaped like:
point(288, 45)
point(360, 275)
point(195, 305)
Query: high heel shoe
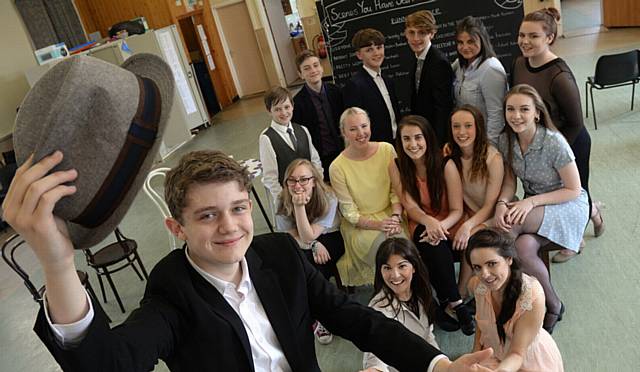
point(598, 227)
point(551, 319)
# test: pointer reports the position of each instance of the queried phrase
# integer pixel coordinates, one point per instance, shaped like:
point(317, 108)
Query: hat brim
point(152, 67)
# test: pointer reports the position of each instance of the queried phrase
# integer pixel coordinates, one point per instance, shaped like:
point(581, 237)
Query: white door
point(242, 45)
point(282, 39)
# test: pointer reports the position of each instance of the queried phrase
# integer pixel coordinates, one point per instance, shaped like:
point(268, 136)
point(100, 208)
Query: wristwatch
point(314, 247)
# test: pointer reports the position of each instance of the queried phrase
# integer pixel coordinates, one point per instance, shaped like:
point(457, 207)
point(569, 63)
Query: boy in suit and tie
point(431, 74)
point(318, 106)
point(282, 142)
point(370, 90)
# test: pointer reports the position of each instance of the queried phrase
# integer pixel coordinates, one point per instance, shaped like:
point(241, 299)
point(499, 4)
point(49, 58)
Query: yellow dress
point(364, 189)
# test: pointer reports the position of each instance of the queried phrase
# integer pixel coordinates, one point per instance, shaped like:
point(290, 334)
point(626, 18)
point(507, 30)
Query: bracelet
point(314, 247)
point(501, 202)
point(397, 215)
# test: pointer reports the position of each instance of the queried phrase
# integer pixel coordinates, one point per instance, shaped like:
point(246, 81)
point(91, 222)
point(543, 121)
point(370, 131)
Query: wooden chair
point(9, 248)
point(121, 254)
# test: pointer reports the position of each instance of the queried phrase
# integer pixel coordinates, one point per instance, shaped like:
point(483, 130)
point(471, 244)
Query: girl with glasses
point(308, 210)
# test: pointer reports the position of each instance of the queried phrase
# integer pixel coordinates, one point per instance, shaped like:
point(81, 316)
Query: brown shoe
point(563, 256)
point(598, 221)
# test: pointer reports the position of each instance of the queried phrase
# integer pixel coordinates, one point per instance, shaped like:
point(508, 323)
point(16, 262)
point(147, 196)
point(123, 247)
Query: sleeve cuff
point(435, 361)
point(73, 333)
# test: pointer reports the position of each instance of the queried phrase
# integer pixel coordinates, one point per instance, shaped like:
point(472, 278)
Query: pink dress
point(542, 354)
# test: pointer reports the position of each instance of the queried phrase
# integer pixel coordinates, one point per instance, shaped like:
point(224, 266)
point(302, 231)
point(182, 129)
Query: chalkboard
point(341, 19)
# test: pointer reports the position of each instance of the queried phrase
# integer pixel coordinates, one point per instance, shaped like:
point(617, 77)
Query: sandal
point(598, 228)
point(551, 319)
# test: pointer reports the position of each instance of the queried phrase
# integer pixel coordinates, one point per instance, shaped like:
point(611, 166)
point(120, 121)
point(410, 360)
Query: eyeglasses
point(303, 181)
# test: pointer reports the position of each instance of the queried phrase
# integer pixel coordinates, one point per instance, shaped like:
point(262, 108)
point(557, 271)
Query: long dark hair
point(541, 108)
point(504, 246)
point(420, 287)
point(432, 160)
point(480, 145)
point(475, 28)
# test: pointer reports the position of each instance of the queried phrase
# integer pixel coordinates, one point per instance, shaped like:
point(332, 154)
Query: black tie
point(294, 142)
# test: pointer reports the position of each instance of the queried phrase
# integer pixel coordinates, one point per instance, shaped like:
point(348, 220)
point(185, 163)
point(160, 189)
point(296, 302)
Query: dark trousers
point(439, 261)
point(335, 245)
point(326, 162)
point(581, 148)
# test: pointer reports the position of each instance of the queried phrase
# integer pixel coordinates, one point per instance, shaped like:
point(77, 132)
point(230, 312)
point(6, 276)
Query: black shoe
point(467, 324)
point(551, 319)
point(444, 321)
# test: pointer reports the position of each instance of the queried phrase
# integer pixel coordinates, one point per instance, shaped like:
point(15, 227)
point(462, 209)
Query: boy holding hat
point(226, 301)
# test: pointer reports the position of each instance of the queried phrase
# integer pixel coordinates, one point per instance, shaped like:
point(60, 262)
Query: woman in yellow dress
point(370, 209)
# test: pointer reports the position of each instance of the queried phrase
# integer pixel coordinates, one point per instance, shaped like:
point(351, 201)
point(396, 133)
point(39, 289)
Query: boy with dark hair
point(431, 74)
point(282, 142)
point(370, 90)
point(227, 301)
point(318, 106)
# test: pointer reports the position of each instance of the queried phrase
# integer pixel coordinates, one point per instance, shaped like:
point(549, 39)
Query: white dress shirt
point(270, 164)
point(265, 349)
point(382, 87)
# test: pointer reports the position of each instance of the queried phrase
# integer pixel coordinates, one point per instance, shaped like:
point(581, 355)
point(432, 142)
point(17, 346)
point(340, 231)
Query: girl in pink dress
point(510, 308)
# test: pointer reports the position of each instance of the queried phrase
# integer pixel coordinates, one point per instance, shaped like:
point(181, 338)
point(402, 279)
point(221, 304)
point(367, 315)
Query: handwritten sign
point(341, 19)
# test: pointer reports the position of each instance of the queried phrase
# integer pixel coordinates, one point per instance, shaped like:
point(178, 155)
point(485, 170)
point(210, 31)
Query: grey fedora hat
point(108, 121)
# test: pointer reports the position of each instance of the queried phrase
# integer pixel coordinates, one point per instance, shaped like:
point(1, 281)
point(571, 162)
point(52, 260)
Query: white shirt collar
point(423, 55)
point(371, 72)
point(222, 285)
point(279, 127)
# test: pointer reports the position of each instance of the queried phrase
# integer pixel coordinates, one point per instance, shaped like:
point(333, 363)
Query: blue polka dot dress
point(537, 168)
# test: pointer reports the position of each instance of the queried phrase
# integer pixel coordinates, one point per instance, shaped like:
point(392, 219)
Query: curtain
point(51, 21)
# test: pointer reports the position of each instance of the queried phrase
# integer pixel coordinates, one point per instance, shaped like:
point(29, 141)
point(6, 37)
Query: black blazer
point(434, 100)
point(362, 91)
point(185, 321)
point(304, 113)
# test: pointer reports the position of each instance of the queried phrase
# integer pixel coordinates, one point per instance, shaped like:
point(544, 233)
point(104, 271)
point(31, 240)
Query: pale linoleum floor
point(599, 288)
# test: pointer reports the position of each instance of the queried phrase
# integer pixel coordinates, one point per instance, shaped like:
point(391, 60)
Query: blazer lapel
point(270, 293)
point(221, 307)
point(373, 87)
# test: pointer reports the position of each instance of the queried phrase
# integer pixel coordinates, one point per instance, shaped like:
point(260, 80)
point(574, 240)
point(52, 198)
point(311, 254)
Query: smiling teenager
point(554, 207)
point(550, 75)
point(509, 308)
point(480, 79)
point(402, 291)
point(430, 74)
point(227, 301)
point(431, 193)
point(371, 210)
point(481, 171)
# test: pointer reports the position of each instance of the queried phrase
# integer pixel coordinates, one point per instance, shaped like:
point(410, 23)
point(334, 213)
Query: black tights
point(581, 148)
point(439, 262)
point(528, 243)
